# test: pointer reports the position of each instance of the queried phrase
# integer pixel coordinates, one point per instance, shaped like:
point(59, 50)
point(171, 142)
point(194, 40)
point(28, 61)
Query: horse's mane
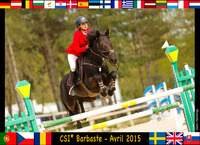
point(91, 38)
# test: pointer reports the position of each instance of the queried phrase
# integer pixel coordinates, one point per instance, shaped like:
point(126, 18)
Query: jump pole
point(117, 106)
point(127, 118)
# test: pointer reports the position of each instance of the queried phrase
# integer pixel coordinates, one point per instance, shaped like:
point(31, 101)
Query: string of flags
point(98, 4)
point(46, 138)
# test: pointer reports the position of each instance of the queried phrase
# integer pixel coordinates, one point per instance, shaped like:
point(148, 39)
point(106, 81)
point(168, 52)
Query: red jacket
point(79, 43)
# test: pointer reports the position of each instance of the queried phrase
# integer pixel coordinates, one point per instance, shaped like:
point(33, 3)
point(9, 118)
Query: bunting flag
point(42, 138)
point(173, 138)
point(25, 138)
point(171, 4)
point(149, 3)
point(139, 4)
point(161, 3)
point(105, 4)
point(29, 4)
point(116, 4)
point(83, 4)
point(127, 4)
point(192, 138)
point(183, 4)
point(16, 4)
point(157, 138)
point(194, 4)
point(94, 4)
point(71, 4)
point(4, 5)
point(60, 4)
point(9, 138)
point(49, 4)
point(38, 4)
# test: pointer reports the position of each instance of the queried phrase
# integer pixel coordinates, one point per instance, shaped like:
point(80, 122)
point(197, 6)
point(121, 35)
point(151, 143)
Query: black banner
point(5, 1)
point(23, 3)
point(2, 72)
point(99, 138)
point(197, 70)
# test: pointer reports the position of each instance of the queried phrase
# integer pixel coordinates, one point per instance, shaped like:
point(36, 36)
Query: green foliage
point(155, 26)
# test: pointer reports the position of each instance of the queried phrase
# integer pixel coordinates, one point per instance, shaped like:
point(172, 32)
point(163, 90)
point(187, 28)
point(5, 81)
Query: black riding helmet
point(80, 20)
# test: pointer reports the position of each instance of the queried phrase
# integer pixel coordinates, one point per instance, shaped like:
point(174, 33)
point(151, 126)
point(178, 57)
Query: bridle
point(102, 55)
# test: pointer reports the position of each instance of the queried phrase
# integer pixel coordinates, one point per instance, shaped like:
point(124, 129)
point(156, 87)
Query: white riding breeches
point(72, 62)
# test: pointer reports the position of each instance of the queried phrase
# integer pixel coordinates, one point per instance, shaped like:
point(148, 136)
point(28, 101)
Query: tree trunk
point(50, 53)
point(50, 64)
point(92, 104)
point(143, 52)
point(140, 69)
point(8, 99)
point(110, 101)
point(46, 58)
point(103, 101)
point(13, 82)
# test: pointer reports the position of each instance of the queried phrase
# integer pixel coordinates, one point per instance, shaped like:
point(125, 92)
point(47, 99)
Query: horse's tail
point(63, 92)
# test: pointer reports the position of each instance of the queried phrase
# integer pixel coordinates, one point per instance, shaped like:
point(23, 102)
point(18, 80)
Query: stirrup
point(72, 91)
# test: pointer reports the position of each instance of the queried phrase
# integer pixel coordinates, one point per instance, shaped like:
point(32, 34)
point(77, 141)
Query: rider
point(79, 45)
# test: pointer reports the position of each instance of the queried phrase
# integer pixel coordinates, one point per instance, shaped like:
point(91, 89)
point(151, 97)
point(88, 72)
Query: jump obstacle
point(181, 80)
point(110, 108)
point(127, 118)
point(23, 88)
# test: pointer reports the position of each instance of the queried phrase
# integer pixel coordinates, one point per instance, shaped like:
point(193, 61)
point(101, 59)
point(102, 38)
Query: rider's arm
point(77, 47)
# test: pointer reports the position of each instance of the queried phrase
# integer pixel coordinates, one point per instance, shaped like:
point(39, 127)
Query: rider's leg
point(72, 62)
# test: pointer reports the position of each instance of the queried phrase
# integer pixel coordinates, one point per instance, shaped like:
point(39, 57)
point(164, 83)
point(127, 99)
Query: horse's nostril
point(113, 60)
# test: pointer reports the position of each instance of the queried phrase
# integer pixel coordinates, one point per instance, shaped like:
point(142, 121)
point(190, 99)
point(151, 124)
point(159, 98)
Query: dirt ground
point(165, 125)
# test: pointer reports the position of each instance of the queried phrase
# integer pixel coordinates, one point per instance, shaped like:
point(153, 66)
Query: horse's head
point(102, 45)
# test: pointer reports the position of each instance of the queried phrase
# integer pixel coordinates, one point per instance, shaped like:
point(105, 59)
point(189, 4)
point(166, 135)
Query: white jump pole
point(117, 106)
point(127, 118)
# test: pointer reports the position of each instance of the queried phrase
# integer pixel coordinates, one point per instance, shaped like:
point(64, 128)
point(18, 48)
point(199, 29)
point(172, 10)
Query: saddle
point(79, 71)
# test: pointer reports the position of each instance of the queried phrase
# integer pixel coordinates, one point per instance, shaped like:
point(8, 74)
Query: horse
point(96, 77)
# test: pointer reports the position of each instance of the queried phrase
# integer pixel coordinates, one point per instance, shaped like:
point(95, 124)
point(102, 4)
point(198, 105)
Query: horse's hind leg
point(82, 109)
point(76, 110)
point(79, 125)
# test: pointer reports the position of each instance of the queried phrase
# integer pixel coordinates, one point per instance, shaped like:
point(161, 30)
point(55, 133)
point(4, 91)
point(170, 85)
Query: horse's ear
point(107, 32)
point(97, 34)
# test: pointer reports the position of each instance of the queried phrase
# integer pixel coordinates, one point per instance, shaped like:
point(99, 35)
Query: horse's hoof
point(70, 124)
point(109, 96)
point(113, 88)
point(79, 125)
point(102, 97)
point(84, 120)
point(110, 93)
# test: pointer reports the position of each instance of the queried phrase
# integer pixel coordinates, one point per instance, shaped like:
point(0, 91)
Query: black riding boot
point(72, 77)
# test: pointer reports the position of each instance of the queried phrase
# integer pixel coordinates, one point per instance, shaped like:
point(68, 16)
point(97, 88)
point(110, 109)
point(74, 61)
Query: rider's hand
point(87, 47)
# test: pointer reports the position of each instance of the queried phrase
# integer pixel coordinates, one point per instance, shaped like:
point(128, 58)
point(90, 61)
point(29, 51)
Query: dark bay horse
point(96, 77)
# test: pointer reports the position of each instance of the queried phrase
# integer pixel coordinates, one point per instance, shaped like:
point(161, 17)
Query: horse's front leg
point(103, 90)
point(113, 77)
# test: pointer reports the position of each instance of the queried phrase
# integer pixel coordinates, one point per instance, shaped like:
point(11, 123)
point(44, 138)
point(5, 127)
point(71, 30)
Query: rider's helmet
point(80, 20)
